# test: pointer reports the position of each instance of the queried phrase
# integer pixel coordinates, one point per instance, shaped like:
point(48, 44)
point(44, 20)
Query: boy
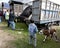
point(32, 33)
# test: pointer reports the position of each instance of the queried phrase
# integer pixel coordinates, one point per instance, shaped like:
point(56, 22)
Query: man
point(11, 20)
point(32, 33)
point(4, 14)
point(7, 17)
point(1, 16)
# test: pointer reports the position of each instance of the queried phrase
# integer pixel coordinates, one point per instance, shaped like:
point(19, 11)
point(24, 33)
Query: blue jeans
point(33, 40)
point(0, 19)
point(12, 24)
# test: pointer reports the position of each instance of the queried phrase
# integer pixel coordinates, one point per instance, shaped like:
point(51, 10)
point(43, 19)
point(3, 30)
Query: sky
point(24, 1)
point(56, 1)
point(16, 0)
point(4, 1)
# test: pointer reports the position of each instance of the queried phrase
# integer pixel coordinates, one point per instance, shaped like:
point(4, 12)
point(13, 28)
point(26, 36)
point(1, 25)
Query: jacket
point(11, 17)
point(1, 13)
point(32, 29)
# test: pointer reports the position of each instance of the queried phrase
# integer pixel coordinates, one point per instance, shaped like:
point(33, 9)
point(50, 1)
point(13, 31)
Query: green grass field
point(21, 37)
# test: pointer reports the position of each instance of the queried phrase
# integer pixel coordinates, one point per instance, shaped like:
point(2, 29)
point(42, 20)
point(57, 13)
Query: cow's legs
point(55, 35)
point(51, 35)
point(45, 39)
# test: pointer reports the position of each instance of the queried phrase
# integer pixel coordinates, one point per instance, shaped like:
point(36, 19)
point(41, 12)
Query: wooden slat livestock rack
point(45, 11)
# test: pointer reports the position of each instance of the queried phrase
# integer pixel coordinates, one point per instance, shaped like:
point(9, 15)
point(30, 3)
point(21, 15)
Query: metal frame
point(53, 9)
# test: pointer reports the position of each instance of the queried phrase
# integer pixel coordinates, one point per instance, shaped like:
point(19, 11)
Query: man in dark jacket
point(11, 20)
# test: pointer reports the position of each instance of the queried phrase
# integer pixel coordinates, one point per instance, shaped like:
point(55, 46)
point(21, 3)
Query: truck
point(42, 12)
point(45, 11)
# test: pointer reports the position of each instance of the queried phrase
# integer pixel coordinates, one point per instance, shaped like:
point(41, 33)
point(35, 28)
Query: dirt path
point(5, 39)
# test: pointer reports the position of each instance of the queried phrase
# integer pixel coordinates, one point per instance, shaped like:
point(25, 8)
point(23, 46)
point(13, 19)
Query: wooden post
point(2, 11)
point(12, 6)
point(2, 7)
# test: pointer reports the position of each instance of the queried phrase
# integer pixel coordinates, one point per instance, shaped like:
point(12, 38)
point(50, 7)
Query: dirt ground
point(5, 39)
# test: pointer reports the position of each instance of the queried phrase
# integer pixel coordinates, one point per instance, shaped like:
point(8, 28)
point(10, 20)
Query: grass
point(21, 37)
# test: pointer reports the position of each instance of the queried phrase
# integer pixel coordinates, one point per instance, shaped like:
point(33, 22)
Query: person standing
point(1, 16)
point(11, 20)
point(4, 14)
point(32, 33)
point(7, 17)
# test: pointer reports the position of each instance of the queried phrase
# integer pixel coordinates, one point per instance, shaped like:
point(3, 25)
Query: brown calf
point(50, 32)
